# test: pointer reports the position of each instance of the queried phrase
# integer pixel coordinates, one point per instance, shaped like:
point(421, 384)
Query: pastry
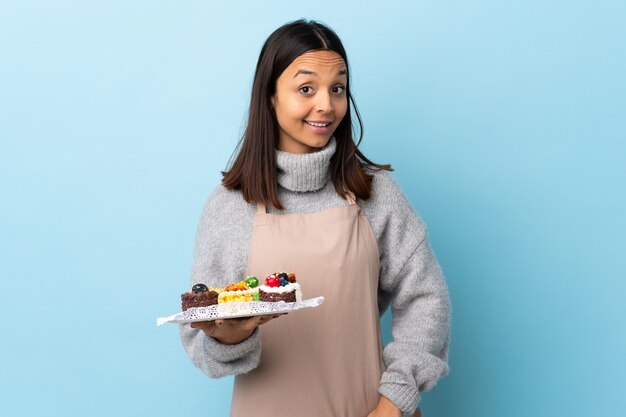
point(280, 287)
point(200, 296)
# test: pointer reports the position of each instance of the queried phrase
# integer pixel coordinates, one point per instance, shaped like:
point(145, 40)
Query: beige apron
point(326, 361)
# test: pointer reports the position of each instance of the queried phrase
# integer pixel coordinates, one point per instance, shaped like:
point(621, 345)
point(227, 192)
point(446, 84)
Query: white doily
point(234, 310)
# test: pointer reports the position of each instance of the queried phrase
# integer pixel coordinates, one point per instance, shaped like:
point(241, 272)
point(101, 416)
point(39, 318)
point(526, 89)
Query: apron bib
point(325, 361)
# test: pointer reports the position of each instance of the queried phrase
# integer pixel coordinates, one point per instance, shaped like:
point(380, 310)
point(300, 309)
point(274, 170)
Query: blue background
point(505, 122)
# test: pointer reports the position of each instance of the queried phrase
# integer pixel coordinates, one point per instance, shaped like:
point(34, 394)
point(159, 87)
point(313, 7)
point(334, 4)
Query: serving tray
point(235, 310)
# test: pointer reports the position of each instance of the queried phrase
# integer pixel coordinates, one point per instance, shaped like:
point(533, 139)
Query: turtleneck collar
point(305, 171)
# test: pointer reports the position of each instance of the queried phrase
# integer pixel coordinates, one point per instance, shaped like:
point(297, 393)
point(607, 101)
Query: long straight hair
point(254, 170)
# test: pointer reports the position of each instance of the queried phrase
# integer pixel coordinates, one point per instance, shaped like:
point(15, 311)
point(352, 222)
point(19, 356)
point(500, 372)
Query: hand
point(385, 408)
point(232, 331)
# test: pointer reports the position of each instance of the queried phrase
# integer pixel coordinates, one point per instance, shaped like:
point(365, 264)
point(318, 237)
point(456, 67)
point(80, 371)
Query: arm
point(216, 359)
point(411, 282)
point(417, 356)
point(215, 257)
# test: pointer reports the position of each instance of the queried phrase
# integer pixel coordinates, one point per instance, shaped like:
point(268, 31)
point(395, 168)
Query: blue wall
point(505, 122)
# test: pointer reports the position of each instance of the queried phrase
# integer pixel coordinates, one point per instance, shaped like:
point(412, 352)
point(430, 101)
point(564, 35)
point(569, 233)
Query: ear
point(273, 100)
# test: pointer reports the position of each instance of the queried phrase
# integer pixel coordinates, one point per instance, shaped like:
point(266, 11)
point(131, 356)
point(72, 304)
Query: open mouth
point(318, 124)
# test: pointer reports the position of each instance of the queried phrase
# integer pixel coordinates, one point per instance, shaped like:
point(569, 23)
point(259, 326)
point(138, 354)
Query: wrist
point(386, 406)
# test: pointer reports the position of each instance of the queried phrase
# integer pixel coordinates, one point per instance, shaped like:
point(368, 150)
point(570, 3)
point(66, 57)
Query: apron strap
point(352, 201)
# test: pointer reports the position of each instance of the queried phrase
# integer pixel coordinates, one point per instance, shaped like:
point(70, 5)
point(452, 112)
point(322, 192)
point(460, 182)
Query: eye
point(341, 88)
point(303, 87)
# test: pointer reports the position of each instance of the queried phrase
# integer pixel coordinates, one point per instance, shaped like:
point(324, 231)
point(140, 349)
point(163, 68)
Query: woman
point(301, 197)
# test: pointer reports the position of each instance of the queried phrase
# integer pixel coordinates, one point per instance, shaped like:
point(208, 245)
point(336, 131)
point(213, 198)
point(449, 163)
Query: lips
point(320, 123)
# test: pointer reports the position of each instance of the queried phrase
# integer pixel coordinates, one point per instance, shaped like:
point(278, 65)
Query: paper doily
point(234, 310)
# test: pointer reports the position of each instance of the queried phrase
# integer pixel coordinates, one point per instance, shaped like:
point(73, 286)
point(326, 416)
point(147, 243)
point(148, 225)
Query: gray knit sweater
point(410, 277)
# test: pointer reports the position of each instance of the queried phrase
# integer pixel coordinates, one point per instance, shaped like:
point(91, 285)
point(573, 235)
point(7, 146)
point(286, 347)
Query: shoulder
point(389, 207)
point(223, 206)
point(223, 199)
point(385, 186)
point(387, 192)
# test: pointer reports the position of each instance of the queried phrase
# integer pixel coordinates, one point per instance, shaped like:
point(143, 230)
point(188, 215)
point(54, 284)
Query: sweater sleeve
point(211, 252)
point(412, 282)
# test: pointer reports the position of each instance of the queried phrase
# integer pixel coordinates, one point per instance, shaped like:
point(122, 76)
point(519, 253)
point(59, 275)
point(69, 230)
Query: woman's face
point(312, 89)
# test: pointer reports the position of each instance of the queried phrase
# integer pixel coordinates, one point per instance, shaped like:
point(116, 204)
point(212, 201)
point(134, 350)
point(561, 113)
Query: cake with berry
point(200, 296)
point(280, 287)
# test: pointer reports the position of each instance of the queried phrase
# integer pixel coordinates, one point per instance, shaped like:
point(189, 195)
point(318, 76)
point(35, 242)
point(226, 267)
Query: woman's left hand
point(385, 408)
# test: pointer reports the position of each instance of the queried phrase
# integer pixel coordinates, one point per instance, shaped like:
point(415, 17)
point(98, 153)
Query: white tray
point(234, 310)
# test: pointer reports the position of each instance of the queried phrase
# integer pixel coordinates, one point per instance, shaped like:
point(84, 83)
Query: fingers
point(253, 322)
point(240, 323)
point(207, 327)
point(266, 319)
point(236, 323)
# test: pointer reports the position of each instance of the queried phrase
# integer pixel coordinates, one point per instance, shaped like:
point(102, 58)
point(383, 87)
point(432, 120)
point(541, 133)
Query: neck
point(303, 172)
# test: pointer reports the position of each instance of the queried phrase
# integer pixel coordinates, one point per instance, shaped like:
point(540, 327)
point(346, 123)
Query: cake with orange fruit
point(241, 292)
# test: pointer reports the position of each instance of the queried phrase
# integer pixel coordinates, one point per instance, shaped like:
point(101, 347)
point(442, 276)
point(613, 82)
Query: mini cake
point(280, 287)
point(240, 292)
point(200, 296)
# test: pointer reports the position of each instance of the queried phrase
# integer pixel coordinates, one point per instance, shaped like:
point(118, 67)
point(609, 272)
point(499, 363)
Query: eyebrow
point(309, 72)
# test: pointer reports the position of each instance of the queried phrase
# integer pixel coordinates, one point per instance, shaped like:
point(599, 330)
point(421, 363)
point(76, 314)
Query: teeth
point(317, 124)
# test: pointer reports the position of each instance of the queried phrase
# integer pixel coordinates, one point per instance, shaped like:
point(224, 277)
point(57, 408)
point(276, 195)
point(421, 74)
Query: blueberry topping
point(198, 288)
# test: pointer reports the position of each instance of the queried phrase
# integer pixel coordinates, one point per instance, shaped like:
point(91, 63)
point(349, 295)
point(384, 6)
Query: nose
point(324, 102)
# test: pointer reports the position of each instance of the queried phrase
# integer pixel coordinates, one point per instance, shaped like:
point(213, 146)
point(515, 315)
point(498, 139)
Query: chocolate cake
point(199, 296)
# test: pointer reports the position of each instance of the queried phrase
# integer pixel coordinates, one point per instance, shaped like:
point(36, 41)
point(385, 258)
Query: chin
point(319, 143)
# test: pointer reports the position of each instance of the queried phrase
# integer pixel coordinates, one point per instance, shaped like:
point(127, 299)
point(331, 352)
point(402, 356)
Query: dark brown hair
point(254, 170)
